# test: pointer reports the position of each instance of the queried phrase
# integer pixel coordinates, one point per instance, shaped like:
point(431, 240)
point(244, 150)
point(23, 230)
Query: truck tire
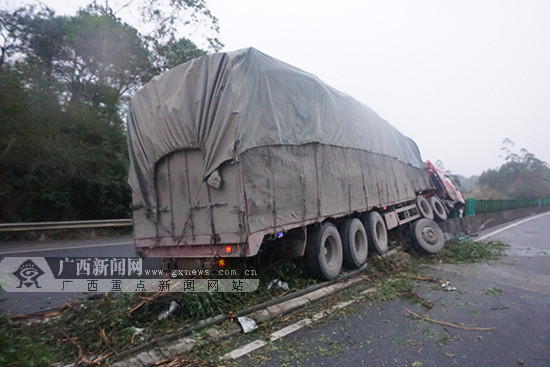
point(428, 236)
point(323, 256)
point(355, 244)
point(376, 232)
point(424, 207)
point(440, 213)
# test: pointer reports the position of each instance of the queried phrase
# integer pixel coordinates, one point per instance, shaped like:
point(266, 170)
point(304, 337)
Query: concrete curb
point(470, 225)
point(185, 344)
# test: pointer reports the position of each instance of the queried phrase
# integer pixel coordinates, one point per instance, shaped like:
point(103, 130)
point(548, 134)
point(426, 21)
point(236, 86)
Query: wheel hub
point(429, 235)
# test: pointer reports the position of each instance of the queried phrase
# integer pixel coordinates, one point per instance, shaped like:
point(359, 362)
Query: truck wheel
point(424, 207)
point(428, 236)
point(440, 213)
point(377, 233)
point(354, 243)
point(323, 257)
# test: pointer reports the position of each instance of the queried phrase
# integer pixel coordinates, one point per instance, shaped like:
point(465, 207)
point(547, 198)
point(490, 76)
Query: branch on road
point(448, 323)
point(418, 277)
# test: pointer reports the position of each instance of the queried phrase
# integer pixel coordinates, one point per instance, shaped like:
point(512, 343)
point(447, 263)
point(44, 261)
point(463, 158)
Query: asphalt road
point(22, 303)
point(511, 295)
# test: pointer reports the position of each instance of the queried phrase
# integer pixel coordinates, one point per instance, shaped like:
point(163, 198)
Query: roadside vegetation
point(102, 328)
point(467, 251)
point(65, 82)
point(111, 323)
point(522, 177)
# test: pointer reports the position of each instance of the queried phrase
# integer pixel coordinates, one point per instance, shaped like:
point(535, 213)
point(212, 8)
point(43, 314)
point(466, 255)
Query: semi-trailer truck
point(236, 150)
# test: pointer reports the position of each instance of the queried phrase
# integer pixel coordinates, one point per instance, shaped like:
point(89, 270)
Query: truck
point(237, 151)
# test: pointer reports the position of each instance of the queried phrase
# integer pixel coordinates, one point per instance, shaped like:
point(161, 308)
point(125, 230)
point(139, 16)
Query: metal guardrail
point(475, 206)
point(44, 226)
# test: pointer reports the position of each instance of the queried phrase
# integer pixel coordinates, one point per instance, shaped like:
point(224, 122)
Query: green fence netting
point(475, 206)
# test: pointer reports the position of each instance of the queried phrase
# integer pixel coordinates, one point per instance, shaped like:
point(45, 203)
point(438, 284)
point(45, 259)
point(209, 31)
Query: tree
point(94, 56)
point(166, 27)
point(174, 52)
point(64, 84)
point(168, 18)
point(523, 176)
point(103, 55)
point(9, 35)
point(31, 160)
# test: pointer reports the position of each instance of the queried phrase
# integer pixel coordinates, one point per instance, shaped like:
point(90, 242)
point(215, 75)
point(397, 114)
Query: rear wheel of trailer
point(377, 232)
point(354, 243)
point(324, 254)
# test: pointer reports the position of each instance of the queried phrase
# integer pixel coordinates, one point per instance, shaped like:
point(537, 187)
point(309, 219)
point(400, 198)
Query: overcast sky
point(456, 76)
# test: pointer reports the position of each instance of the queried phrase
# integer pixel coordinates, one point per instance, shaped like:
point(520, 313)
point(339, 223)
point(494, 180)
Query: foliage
point(467, 251)
point(65, 82)
point(174, 51)
point(111, 321)
point(523, 176)
point(467, 184)
point(164, 40)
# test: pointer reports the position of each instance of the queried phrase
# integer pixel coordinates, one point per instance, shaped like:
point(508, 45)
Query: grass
point(467, 251)
point(389, 273)
point(93, 328)
point(395, 287)
point(107, 325)
point(493, 291)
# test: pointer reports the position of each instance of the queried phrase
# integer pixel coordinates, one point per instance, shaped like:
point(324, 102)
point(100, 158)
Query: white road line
point(63, 248)
point(250, 347)
point(289, 329)
point(257, 344)
point(511, 226)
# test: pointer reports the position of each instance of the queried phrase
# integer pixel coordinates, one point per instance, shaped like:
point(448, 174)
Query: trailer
point(234, 151)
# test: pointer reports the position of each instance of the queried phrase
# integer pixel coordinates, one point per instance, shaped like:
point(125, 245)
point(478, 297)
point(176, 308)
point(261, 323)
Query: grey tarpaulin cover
point(248, 107)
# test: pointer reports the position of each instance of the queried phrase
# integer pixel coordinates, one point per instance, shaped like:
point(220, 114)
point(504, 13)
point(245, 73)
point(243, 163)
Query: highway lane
point(509, 295)
point(75, 247)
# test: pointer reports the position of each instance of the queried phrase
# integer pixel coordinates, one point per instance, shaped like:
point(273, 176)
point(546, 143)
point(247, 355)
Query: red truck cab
point(445, 188)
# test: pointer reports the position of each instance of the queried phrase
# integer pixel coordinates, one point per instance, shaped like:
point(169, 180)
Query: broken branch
point(74, 341)
point(418, 277)
point(448, 323)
